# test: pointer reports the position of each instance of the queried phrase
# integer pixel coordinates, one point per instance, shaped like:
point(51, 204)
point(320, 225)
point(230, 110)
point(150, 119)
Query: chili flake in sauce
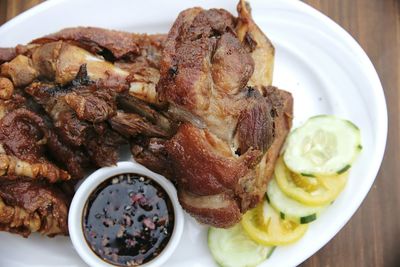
point(128, 220)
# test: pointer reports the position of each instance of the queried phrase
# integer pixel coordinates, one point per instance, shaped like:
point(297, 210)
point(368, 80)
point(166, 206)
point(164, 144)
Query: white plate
point(316, 60)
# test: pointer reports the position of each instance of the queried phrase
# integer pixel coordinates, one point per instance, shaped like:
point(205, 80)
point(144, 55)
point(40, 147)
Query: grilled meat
point(27, 207)
point(197, 106)
point(59, 97)
point(223, 153)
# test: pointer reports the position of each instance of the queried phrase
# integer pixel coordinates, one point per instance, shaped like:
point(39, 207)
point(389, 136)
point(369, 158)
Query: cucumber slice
point(233, 248)
point(289, 208)
point(324, 145)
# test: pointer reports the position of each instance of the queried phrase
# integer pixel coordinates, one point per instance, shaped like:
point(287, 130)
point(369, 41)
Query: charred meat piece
point(102, 145)
point(91, 104)
point(152, 153)
point(131, 125)
point(27, 207)
point(52, 98)
point(131, 104)
point(60, 62)
point(74, 105)
point(79, 110)
point(120, 45)
point(234, 125)
point(73, 158)
point(135, 54)
point(23, 135)
point(57, 57)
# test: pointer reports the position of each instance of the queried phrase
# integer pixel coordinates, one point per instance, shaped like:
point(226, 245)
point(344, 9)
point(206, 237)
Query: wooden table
point(372, 237)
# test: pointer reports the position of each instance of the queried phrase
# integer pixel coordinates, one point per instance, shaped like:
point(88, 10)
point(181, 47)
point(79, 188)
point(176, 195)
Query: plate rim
point(365, 63)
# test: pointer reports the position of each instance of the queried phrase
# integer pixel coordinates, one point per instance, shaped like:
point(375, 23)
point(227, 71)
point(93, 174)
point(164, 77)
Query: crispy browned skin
point(27, 207)
point(204, 69)
point(216, 210)
point(204, 164)
point(234, 125)
point(206, 191)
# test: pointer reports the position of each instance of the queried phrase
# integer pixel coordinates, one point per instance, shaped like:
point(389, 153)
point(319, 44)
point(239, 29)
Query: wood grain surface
point(372, 237)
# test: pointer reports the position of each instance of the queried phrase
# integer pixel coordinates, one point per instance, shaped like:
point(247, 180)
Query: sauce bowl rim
point(89, 185)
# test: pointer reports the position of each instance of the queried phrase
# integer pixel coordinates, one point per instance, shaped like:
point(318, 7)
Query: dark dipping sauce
point(128, 220)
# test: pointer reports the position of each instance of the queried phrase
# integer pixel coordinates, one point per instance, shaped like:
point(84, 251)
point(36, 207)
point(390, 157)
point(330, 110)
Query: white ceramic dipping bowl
point(76, 212)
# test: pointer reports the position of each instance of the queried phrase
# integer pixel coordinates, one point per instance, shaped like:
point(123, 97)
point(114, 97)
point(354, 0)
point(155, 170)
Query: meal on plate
point(196, 105)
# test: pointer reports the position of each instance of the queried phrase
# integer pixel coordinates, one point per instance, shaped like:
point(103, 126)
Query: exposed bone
point(143, 83)
point(60, 61)
point(261, 48)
